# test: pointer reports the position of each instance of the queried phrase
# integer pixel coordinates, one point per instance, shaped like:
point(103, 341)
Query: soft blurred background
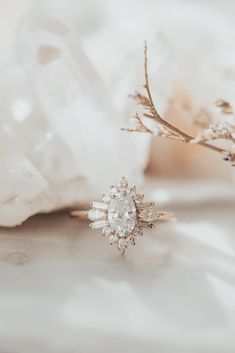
point(67, 68)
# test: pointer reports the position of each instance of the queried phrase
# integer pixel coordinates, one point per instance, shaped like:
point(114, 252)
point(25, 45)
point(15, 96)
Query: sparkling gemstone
point(106, 231)
point(131, 240)
point(138, 232)
point(99, 205)
point(132, 191)
point(122, 245)
point(95, 214)
point(139, 198)
point(123, 183)
point(99, 224)
point(150, 214)
point(106, 198)
point(113, 239)
point(122, 214)
point(113, 190)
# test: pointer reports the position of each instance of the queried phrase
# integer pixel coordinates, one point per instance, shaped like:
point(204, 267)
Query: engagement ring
point(123, 215)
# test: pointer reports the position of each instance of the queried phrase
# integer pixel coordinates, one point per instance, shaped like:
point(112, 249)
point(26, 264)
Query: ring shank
point(81, 214)
point(161, 216)
point(165, 216)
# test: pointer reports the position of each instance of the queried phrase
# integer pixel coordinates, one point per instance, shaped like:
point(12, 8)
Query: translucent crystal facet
point(122, 215)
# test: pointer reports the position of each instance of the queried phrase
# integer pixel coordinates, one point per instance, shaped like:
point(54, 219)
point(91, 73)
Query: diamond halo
point(122, 215)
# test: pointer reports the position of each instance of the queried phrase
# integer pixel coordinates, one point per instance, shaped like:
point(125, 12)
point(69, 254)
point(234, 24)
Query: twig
point(166, 129)
point(139, 126)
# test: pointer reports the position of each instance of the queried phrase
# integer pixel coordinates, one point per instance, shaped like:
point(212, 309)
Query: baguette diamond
point(94, 214)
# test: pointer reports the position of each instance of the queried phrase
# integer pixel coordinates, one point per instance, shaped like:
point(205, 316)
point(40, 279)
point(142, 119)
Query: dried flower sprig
point(223, 130)
point(225, 107)
point(164, 129)
point(220, 131)
point(139, 125)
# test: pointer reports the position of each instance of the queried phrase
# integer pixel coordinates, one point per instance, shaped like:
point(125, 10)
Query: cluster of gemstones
point(122, 215)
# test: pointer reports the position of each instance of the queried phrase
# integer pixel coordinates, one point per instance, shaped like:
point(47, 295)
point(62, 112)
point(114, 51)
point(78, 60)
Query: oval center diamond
point(122, 214)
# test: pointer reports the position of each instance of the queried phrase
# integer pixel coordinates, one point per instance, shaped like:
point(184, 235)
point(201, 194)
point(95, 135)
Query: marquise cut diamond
point(149, 214)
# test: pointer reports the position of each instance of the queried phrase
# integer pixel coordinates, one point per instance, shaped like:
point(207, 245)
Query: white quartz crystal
point(67, 69)
point(61, 141)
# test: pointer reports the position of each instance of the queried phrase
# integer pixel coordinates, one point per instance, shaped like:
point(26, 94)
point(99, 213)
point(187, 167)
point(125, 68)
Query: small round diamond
point(122, 245)
point(122, 214)
point(113, 239)
point(106, 231)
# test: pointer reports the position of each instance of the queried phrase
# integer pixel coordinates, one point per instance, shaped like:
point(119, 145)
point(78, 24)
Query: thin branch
point(164, 128)
point(187, 138)
point(139, 126)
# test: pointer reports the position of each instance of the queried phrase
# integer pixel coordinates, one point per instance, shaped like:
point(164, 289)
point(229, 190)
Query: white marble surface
point(64, 289)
